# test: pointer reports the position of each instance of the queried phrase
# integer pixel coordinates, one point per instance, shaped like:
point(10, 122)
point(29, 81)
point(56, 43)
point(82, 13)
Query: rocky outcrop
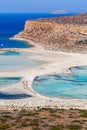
point(66, 33)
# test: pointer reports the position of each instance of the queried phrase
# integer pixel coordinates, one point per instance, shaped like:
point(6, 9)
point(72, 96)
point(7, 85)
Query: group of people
point(25, 83)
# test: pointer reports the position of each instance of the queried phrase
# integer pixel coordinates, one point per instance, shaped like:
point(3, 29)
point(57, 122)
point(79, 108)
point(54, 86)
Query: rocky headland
point(62, 33)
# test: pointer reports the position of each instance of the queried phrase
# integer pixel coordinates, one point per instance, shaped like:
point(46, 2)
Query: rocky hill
point(65, 33)
point(76, 19)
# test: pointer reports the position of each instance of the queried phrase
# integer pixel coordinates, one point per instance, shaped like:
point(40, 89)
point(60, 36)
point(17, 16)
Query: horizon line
point(38, 13)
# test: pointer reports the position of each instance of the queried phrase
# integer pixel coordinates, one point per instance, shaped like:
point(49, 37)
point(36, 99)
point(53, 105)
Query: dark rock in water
point(40, 78)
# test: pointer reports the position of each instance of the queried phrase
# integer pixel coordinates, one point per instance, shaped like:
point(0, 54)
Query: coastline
point(26, 40)
point(58, 62)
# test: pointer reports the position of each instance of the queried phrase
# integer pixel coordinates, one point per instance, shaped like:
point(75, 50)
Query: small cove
point(7, 43)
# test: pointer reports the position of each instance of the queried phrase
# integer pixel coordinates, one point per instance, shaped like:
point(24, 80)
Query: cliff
point(65, 33)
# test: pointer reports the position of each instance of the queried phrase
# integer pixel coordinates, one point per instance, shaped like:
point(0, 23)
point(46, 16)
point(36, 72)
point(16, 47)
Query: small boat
point(2, 44)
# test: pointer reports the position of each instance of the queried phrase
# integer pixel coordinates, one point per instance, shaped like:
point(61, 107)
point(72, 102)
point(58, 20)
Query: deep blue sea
point(11, 24)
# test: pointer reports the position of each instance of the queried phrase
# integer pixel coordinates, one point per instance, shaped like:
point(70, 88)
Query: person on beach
point(25, 84)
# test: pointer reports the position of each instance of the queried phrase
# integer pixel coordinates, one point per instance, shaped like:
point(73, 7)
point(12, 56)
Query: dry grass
point(43, 119)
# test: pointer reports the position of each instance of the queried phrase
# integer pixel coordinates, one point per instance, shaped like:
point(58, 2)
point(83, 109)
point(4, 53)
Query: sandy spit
point(55, 63)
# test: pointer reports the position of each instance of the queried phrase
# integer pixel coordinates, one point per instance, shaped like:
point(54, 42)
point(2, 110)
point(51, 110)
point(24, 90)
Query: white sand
point(57, 62)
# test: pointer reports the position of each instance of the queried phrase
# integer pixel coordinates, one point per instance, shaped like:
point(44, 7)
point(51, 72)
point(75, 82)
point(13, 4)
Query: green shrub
point(4, 126)
point(74, 127)
point(58, 127)
point(34, 122)
point(84, 115)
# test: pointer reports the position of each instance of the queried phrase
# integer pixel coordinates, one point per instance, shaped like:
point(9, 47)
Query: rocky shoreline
point(65, 34)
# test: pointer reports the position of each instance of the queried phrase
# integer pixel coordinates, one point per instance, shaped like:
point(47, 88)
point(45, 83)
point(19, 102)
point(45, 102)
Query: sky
point(43, 6)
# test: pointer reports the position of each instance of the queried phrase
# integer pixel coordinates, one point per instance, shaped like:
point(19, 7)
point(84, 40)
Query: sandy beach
point(55, 63)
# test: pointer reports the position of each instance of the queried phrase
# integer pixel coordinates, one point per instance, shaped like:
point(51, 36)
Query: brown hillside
point(66, 33)
point(77, 19)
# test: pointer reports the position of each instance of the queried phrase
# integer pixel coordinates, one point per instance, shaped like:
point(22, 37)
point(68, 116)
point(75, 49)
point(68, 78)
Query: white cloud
point(62, 11)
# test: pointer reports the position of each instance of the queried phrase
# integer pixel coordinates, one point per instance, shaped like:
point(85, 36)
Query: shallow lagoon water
point(64, 85)
point(15, 61)
point(12, 92)
point(8, 53)
point(6, 81)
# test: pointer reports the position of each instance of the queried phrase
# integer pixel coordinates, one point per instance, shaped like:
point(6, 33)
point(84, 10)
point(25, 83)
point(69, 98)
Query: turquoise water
point(10, 53)
point(64, 85)
point(13, 92)
point(6, 81)
point(17, 61)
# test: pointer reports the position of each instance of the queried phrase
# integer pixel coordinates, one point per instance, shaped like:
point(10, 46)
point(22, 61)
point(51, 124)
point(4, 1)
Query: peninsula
point(62, 33)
